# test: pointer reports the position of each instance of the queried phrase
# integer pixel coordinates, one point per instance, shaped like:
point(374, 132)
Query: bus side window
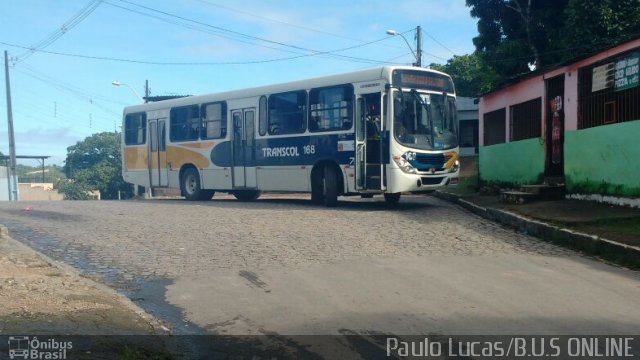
point(214, 120)
point(135, 129)
point(184, 123)
point(262, 121)
point(331, 108)
point(288, 112)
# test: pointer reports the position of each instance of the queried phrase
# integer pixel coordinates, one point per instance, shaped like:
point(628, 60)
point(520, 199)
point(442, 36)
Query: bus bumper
point(400, 181)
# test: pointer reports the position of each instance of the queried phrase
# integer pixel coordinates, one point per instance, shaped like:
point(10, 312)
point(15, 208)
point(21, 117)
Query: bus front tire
point(330, 186)
point(392, 198)
point(247, 195)
point(191, 188)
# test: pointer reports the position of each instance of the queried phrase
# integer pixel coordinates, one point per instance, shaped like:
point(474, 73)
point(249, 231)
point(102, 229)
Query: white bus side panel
point(284, 178)
point(218, 179)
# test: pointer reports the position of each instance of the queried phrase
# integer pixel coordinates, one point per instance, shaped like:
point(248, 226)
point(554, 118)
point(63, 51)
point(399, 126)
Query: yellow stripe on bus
point(179, 156)
point(453, 156)
point(135, 158)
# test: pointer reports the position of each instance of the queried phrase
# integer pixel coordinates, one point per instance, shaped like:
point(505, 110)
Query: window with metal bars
point(601, 100)
point(526, 120)
point(494, 126)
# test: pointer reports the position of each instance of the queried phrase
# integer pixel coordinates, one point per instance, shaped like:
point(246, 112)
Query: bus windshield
point(424, 120)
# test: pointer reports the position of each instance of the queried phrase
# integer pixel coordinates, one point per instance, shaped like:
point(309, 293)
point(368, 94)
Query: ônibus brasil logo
point(26, 347)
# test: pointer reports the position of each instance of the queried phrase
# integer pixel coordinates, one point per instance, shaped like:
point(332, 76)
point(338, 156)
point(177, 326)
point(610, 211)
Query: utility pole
point(146, 91)
point(13, 178)
point(419, 46)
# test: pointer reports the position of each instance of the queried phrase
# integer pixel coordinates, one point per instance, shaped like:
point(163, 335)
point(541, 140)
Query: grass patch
point(629, 226)
point(625, 230)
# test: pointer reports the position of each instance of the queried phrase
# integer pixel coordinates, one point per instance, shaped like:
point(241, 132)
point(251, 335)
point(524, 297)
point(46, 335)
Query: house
point(575, 124)
point(468, 125)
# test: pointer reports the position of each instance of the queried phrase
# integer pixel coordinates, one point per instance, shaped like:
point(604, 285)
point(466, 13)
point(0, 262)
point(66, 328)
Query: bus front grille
point(428, 161)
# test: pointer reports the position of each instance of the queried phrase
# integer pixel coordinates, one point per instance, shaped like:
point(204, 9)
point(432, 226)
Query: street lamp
point(118, 83)
point(417, 55)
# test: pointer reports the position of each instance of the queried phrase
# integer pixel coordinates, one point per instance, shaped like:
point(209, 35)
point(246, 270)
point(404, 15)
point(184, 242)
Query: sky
point(62, 92)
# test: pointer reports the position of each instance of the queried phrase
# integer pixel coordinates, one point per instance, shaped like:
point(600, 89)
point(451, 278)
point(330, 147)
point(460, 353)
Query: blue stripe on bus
point(290, 151)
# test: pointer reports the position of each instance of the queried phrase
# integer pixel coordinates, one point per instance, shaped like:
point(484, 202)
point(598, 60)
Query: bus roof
point(349, 77)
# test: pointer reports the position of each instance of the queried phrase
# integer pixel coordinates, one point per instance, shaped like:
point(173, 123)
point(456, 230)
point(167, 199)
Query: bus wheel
point(247, 195)
point(330, 187)
point(317, 188)
point(392, 198)
point(190, 183)
point(207, 194)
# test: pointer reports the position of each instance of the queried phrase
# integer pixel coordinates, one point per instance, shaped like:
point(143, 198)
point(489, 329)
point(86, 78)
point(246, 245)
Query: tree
point(470, 75)
point(95, 163)
point(97, 148)
point(73, 190)
point(515, 35)
point(592, 24)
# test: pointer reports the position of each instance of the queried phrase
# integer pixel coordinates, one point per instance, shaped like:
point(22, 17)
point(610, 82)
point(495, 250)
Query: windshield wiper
point(427, 108)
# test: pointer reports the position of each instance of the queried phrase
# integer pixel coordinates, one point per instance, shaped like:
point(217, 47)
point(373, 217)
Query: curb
point(590, 244)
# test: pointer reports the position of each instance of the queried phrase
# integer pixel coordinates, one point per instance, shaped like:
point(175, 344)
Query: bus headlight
point(404, 164)
point(456, 166)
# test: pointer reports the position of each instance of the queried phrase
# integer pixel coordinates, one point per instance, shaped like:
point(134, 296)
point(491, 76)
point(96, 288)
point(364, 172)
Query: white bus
point(387, 130)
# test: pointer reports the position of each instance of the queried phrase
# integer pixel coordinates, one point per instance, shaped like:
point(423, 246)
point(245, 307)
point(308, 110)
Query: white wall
point(4, 184)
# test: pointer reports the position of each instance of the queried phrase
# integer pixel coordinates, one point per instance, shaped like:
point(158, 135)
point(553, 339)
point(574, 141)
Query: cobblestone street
point(174, 237)
point(281, 264)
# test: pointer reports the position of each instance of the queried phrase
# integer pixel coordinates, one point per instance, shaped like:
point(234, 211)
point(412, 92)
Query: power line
point(234, 34)
point(145, 62)
point(71, 90)
point(68, 25)
point(224, 30)
point(193, 27)
point(70, 87)
point(439, 43)
point(276, 21)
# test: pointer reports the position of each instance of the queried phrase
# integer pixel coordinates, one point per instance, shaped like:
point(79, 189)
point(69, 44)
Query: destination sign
point(422, 80)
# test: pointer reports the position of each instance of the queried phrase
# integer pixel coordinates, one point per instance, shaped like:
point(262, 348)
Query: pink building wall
point(523, 91)
point(534, 87)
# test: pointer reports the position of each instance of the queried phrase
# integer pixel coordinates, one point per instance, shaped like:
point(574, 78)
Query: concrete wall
point(516, 163)
point(604, 160)
point(4, 184)
point(38, 192)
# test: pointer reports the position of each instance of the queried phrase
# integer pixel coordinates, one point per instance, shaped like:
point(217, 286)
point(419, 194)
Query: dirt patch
point(38, 296)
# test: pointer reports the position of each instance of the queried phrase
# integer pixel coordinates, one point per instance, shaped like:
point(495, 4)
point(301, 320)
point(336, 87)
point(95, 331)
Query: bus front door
point(244, 170)
point(158, 171)
point(361, 145)
point(369, 132)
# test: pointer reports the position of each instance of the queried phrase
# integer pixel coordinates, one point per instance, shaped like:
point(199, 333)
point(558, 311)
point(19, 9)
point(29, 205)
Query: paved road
point(281, 265)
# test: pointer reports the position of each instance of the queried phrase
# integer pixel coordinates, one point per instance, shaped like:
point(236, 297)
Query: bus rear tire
point(247, 195)
point(317, 184)
point(207, 194)
point(190, 186)
point(392, 198)
point(330, 186)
